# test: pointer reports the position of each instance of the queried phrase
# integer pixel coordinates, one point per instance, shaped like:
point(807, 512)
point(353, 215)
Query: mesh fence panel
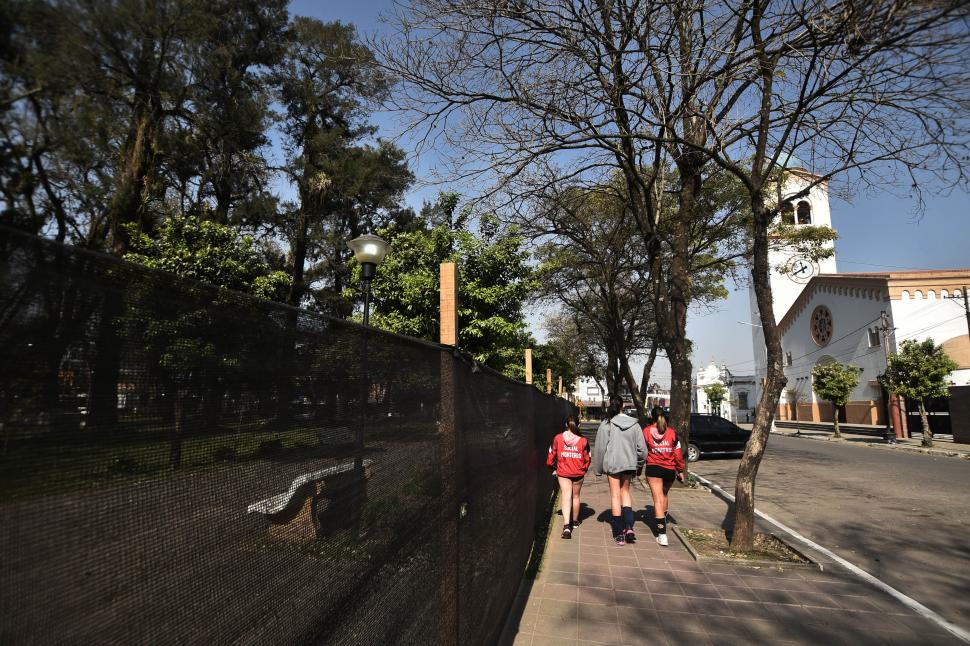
point(182, 464)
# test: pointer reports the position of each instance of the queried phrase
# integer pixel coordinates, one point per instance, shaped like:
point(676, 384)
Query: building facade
point(739, 399)
point(852, 318)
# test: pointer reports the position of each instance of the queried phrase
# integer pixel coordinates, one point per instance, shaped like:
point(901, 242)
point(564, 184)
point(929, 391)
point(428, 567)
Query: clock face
point(821, 325)
point(802, 270)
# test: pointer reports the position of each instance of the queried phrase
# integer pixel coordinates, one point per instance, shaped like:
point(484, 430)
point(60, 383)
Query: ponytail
point(659, 419)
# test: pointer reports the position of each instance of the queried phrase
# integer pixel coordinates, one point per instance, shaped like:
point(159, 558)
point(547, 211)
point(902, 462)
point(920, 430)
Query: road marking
point(909, 602)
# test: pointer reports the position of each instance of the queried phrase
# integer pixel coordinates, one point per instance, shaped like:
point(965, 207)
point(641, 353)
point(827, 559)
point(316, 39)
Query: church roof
point(883, 285)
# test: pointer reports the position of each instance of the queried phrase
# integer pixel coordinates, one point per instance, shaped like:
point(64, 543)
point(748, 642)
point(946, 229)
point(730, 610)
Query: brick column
point(448, 460)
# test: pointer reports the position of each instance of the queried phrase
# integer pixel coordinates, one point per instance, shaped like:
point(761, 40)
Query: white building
point(739, 402)
point(825, 316)
point(590, 395)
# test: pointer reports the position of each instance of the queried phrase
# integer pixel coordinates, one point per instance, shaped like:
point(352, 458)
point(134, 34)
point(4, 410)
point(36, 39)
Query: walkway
point(590, 591)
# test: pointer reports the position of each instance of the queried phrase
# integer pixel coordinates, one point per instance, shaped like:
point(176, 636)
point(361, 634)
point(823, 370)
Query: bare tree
point(531, 94)
point(869, 93)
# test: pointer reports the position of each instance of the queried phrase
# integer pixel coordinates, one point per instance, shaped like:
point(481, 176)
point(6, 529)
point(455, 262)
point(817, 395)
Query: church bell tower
point(789, 271)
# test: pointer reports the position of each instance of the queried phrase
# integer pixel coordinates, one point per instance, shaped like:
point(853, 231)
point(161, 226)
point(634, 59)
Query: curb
point(943, 453)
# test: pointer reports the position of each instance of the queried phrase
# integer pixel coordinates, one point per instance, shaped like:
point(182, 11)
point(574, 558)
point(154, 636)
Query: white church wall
point(854, 311)
point(922, 314)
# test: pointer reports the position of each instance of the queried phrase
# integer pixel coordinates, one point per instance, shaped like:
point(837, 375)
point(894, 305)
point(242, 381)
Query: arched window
point(787, 213)
point(804, 212)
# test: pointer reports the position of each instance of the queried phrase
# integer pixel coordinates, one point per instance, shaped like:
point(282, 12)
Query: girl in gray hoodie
point(619, 452)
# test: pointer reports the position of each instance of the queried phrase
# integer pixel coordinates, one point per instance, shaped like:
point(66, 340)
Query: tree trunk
point(177, 429)
point(631, 383)
point(103, 407)
point(838, 433)
point(647, 369)
point(743, 527)
point(927, 431)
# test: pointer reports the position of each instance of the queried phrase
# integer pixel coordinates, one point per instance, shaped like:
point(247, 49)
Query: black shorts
point(623, 474)
point(655, 471)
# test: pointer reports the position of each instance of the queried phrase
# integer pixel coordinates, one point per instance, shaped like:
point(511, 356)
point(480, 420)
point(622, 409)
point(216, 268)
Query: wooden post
point(448, 303)
point(448, 460)
point(548, 381)
point(528, 365)
point(560, 386)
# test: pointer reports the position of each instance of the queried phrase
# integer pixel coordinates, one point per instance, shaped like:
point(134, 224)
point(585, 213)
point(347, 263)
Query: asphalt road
point(902, 517)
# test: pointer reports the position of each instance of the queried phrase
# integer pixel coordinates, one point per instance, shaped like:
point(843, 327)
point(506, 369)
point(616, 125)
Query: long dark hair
point(572, 425)
point(659, 418)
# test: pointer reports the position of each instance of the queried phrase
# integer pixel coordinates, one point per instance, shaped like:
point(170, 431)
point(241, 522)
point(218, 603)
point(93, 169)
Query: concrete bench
point(295, 514)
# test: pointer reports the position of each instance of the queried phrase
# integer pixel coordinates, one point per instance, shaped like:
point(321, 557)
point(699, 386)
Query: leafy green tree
point(344, 187)
point(494, 276)
point(186, 334)
point(834, 382)
point(918, 371)
point(211, 253)
point(715, 395)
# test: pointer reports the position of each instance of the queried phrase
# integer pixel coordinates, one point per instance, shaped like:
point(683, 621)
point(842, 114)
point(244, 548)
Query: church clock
point(801, 270)
point(821, 323)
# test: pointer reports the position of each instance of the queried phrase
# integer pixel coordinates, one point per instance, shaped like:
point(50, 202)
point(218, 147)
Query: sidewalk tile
point(593, 581)
point(634, 599)
point(600, 632)
point(700, 590)
point(668, 603)
point(710, 607)
point(628, 585)
point(563, 628)
point(563, 578)
point(738, 593)
point(597, 595)
point(651, 574)
point(558, 609)
point(591, 569)
point(551, 640)
point(644, 618)
point(560, 592)
point(663, 587)
point(681, 622)
point(625, 571)
point(597, 612)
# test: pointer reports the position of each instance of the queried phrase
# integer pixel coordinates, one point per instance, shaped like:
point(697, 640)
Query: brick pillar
point(448, 460)
point(896, 418)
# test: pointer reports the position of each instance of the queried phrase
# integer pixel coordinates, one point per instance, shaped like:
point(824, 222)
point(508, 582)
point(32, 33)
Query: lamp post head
point(369, 250)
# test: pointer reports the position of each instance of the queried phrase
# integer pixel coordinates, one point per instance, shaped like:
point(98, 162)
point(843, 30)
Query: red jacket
point(570, 460)
point(666, 453)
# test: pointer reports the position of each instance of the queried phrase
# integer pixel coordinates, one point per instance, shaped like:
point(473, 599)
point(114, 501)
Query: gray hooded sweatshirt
point(619, 446)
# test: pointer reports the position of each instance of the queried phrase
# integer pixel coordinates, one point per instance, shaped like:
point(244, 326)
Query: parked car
point(714, 434)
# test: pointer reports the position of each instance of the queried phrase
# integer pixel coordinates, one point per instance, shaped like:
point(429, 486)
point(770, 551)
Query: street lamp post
point(369, 250)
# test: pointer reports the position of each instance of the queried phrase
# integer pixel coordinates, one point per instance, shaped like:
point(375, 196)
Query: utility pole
point(966, 307)
point(888, 434)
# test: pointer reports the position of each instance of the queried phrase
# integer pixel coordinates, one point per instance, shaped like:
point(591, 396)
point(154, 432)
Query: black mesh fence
point(182, 464)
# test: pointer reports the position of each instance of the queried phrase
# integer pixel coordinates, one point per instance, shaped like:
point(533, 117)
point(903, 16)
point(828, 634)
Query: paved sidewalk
point(941, 447)
point(590, 591)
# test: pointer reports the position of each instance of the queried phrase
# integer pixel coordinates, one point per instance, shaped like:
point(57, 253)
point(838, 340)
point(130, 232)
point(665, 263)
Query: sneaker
point(620, 540)
point(662, 540)
point(567, 532)
point(631, 536)
point(576, 523)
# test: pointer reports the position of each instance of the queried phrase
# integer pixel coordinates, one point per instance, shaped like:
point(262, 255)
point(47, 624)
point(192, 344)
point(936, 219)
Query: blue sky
point(877, 230)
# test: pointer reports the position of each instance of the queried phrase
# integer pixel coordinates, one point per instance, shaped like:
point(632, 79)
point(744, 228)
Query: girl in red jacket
point(569, 459)
point(665, 461)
